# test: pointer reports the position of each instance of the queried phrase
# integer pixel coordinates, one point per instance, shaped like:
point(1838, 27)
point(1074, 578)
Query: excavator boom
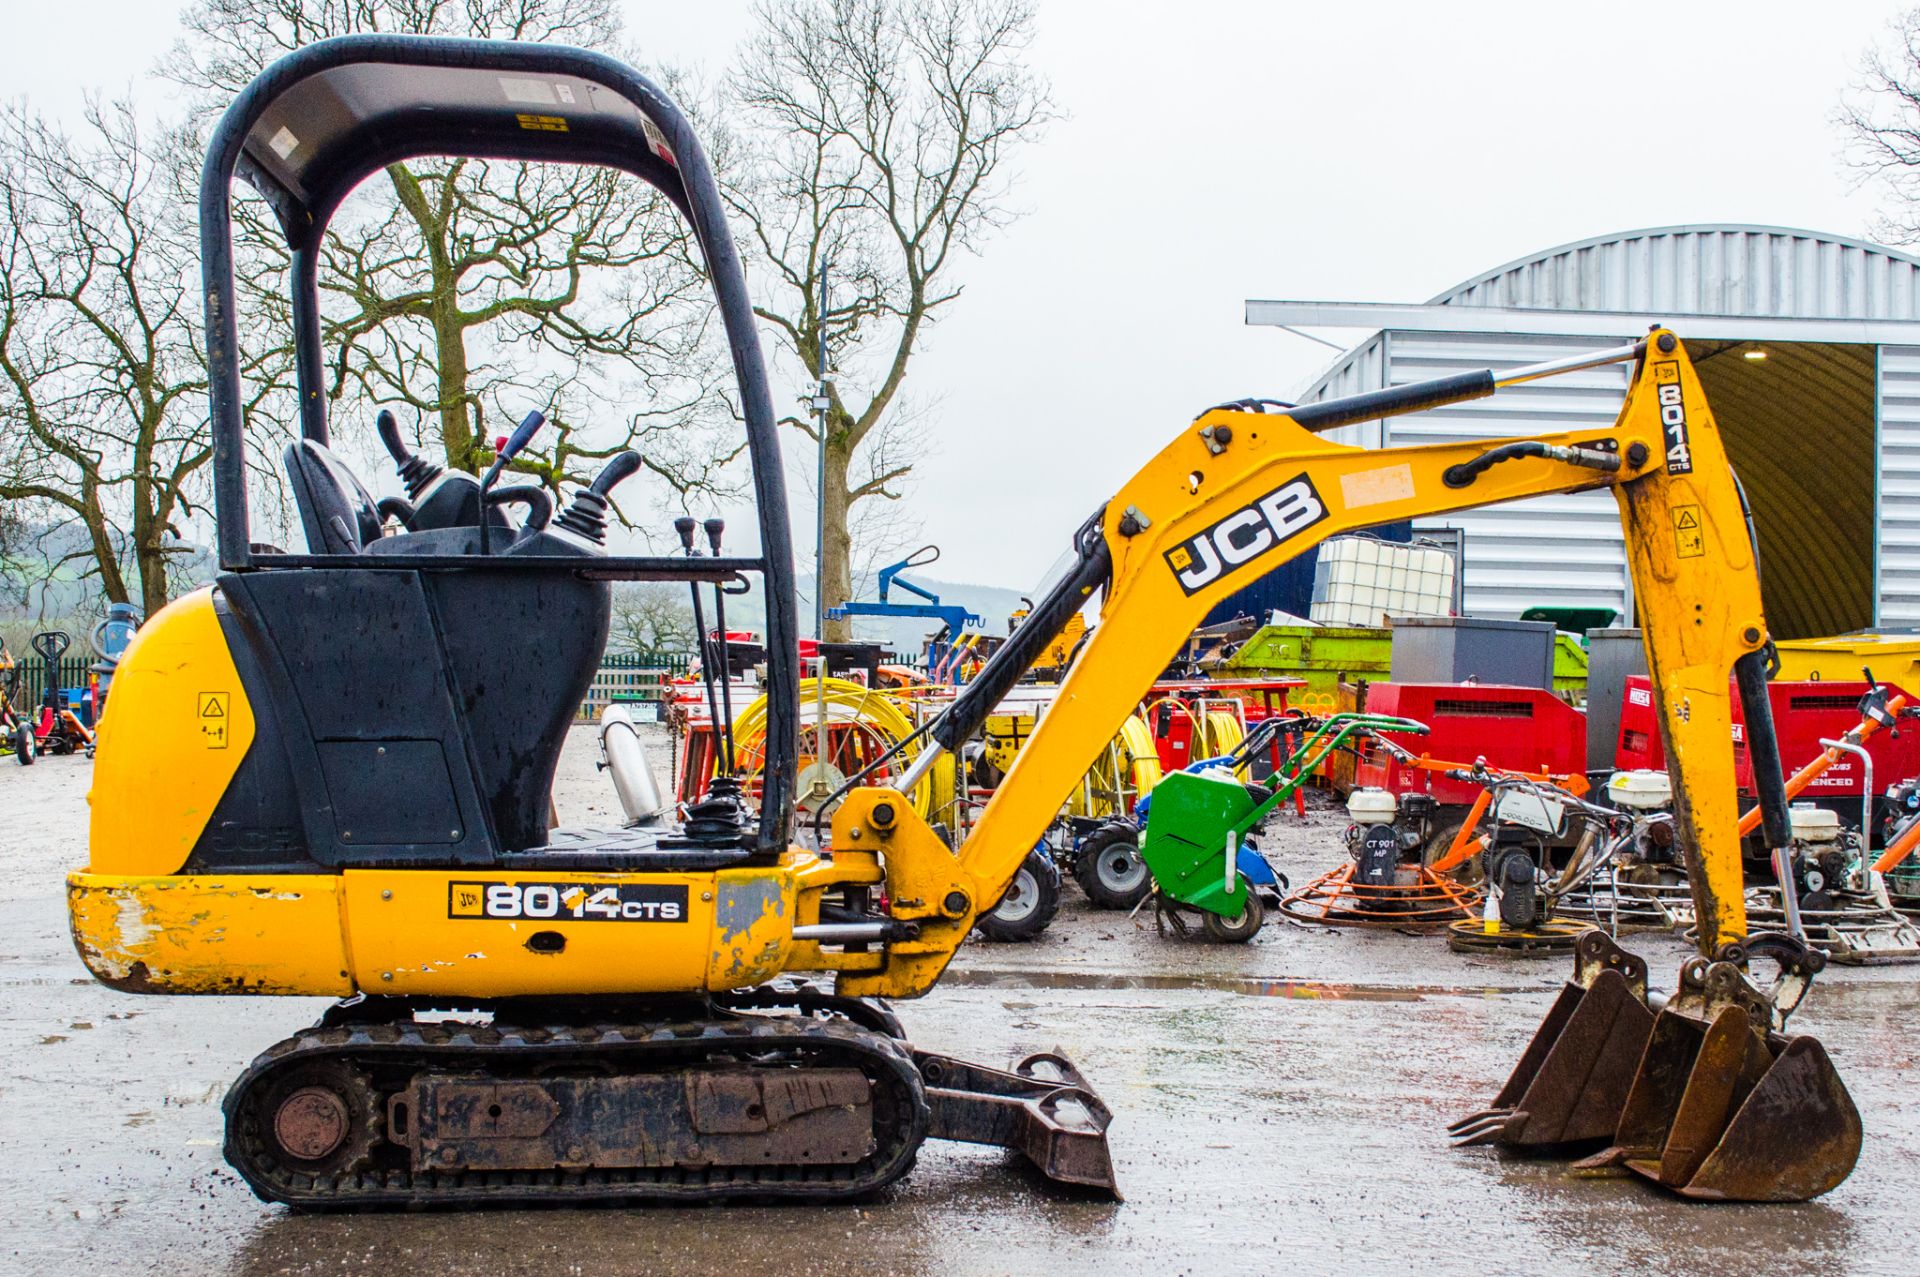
point(1238, 493)
point(1708, 1098)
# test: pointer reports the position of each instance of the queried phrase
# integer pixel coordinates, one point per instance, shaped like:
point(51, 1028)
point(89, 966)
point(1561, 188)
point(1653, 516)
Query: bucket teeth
point(1704, 1099)
point(1573, 1077)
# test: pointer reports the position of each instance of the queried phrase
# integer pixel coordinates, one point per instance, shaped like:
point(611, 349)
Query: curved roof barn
point(1809, 345)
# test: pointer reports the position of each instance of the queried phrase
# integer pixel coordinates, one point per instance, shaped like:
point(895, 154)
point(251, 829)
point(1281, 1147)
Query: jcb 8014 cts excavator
point(328, 773)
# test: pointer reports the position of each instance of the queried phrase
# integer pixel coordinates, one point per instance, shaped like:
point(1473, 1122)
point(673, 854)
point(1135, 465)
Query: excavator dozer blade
point(1574, 1076)
point(1042, 1108)
point(1722, 1109)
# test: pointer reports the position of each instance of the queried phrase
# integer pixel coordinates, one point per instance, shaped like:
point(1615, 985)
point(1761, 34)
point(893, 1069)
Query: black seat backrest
point(335, 509)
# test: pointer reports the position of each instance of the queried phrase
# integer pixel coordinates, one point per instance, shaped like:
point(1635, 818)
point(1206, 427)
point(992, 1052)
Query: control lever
point(586, 517)
point(685, 525)
point(714, 528)
point(538, 501)
point(516, 442)
point(415, 472)
point(1873, 705)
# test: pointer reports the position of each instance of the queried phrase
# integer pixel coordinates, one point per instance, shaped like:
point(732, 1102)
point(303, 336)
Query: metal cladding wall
point(1897, 540)
point(1567, 551)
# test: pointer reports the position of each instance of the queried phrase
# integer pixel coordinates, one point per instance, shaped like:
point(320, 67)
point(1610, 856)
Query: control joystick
point(416, 472)
point(586, 517)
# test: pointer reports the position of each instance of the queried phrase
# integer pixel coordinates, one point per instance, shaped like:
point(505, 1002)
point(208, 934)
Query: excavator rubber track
point(418, 1114)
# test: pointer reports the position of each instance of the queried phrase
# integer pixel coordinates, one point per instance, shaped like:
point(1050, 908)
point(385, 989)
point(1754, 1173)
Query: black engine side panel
point(402, 718)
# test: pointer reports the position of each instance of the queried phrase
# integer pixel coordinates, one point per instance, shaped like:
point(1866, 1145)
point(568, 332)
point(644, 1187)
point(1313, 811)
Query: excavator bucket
point(1724, 1108)
point(1573, 1079)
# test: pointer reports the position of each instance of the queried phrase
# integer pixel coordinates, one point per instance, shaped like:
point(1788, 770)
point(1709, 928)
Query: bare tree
point(102, 411)
point(469, 289)
point(651, 617)
point(870, 141)
point(1880, 118)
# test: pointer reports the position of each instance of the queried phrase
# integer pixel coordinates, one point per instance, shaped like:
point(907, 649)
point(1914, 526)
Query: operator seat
point(336, 510)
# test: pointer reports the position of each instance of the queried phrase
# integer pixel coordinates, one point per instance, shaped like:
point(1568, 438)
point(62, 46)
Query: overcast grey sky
point(1218, 150)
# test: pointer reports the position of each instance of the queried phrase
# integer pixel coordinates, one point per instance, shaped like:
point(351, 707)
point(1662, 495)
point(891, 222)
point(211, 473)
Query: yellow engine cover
point(173, 735)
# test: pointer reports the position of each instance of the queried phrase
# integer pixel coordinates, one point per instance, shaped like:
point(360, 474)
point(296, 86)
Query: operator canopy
point(310, 140)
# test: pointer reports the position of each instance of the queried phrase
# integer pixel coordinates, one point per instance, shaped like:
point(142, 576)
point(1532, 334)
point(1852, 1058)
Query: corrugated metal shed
point(1842, 542)
point(1707, 270)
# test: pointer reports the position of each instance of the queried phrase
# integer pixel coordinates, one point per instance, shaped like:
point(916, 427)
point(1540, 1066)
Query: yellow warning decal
point(1689, 541)
point(543, 123)
point(212, 709)
point(1180, 559)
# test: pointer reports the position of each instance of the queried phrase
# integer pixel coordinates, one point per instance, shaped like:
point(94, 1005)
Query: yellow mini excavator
point(328, 773)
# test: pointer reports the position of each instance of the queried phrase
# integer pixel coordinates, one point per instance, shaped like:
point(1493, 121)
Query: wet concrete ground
point(1278, 1107)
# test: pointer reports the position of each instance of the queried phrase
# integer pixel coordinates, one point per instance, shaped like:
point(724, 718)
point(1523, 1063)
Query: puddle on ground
point(1316, 990)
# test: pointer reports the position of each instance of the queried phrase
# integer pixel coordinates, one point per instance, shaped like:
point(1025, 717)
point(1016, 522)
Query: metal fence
point(639, 679)
point(74, 672)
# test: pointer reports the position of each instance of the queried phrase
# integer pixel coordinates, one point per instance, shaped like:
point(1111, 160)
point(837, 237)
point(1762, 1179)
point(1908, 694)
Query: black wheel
point(24, 745)
point(1468, 873)
point(1110, 870)
point(1032, 898)
point(1241, 929)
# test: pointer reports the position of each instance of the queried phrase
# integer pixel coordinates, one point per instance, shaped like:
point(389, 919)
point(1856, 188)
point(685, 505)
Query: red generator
point(1803, 713)
point(1520, 728)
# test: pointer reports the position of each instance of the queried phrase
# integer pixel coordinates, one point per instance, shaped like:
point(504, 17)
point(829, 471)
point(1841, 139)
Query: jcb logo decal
point(1247, 533)
point(1673, 417)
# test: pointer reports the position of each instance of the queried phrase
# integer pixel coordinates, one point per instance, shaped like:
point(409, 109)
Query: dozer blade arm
point(1238, 493)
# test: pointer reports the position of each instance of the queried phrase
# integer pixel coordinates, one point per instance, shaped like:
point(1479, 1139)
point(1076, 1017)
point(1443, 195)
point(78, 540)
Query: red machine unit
point(1803, 713)
point(1521, 728)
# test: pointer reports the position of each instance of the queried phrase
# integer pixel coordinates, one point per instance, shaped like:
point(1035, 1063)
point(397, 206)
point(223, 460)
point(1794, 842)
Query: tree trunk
point(151, 559)
point(835, 570)
point(100, 539)
point(457, 431)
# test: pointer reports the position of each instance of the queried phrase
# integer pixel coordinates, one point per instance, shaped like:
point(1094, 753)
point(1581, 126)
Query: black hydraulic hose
point(1005, 667)
point(1466, 472)
point(726, 674)
point(1017, 655)
point(1750, 675)
point(1763, 747)
point(853, 782)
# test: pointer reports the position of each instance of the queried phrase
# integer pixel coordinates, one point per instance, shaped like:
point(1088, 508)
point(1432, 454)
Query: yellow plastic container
point(1893, 658)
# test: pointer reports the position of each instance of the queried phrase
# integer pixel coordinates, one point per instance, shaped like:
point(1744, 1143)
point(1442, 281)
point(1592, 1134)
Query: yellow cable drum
point(1128, 768)
point(862, 724)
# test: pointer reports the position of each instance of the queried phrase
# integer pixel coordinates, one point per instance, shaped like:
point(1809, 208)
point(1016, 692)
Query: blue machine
point(953, 617)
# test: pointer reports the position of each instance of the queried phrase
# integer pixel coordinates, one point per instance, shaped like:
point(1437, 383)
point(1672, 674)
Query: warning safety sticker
point(1689, 540)
point(212, 711)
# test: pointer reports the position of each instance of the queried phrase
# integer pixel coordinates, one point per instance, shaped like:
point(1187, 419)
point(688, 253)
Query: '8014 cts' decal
point(1673, 417)
point(1247, 533)
point(582, 902)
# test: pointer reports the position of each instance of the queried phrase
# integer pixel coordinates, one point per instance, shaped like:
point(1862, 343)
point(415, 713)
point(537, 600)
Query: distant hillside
point(990, 603)
point(40, 578)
